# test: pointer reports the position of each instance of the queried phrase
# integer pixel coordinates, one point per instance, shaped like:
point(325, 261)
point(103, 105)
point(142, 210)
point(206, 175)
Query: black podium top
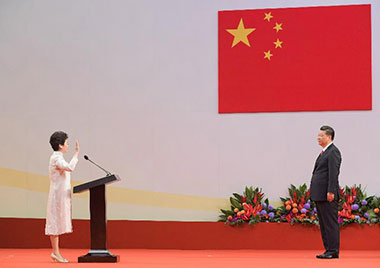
point(98, 182)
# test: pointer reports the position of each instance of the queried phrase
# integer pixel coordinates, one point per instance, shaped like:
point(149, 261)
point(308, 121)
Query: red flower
point(353, 191)
point(248, 211)
point(256, 209)
point(341, 192)
point(244, 199)
point(346, 211)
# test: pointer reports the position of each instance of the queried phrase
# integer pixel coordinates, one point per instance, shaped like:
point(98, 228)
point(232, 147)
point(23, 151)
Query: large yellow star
point(278, 43)
point(241, 34)
point(267, 55)
point(278, 27)
point(268, 16)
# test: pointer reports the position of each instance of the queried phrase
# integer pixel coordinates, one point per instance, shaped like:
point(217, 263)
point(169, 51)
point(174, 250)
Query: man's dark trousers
point(328, 221)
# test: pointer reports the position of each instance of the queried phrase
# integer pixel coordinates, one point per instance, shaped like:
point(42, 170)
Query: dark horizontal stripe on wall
point(29, 233)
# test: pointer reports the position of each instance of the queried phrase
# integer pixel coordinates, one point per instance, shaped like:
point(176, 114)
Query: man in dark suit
point(324, 191)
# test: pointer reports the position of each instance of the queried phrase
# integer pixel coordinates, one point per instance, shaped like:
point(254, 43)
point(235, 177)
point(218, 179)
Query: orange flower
point(236, 210)
point(288, 207)
point(287, 202)
point(294, 205)
point(295, 210)
point(376, 210)
point(352, 216)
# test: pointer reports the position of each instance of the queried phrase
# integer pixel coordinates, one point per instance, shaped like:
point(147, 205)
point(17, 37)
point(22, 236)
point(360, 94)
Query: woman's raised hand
point(77, 146)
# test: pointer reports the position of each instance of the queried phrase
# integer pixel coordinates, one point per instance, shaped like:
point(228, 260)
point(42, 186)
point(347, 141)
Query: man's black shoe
point(328, 256)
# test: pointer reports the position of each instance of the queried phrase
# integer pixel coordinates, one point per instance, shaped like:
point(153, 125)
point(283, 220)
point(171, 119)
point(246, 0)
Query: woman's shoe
point(56, 259)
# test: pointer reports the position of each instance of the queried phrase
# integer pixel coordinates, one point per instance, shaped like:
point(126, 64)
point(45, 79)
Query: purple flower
point(364, 202)
point(366, 215)
point(307, 206)
point(258, 213)
point(357, 217)
point(340, 220)
point(264, 205)
point(303, 210)
point(309, 201)
point(355, 207)
point(354, 197)
point(263, 212)
point(270, 207)
point(315, 210)
point(271, 215)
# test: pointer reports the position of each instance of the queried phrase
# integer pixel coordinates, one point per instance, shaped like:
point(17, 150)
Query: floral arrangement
point(298, 208)
point(354, 206)
point(374, 210)
point(249, 207)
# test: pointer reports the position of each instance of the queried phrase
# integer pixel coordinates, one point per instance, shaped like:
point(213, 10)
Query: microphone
point(107, 172)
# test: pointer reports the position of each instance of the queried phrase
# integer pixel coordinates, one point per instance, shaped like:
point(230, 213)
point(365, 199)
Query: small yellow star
point(268, 16)
point(267, 55)
point(278, 43)
point(241, 34)
point(278, 27)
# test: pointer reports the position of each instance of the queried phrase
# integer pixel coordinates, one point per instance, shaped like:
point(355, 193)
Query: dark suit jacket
point(325, 175)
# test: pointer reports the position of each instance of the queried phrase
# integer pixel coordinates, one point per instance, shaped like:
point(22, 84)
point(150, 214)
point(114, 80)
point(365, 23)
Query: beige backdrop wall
point(136, 82)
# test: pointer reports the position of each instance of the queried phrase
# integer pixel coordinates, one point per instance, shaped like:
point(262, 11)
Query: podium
point(98, 220)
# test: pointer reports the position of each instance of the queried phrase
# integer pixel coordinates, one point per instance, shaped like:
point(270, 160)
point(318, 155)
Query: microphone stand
point(106, 171)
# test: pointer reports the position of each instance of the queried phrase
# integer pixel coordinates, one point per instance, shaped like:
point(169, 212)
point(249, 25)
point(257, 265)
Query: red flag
point(295, 59)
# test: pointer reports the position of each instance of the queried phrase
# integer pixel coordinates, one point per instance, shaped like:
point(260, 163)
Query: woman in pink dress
point(58, 217)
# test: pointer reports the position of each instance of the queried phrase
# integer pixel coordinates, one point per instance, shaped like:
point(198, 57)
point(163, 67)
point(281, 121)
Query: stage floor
point(194, 258)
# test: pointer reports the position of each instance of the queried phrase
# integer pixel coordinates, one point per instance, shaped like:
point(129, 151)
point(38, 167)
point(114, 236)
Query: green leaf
point(238, 197)
point(249, 193)
point(235, 203)
point(222, 218)
point(227, 212)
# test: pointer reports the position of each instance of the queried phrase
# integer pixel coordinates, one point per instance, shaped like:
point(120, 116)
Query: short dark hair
point(329, 131)
point(58, 138)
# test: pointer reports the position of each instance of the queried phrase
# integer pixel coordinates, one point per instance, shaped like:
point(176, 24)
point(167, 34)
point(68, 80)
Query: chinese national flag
point(295, 59)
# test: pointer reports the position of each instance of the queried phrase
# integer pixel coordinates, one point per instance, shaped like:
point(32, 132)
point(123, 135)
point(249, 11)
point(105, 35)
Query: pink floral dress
point(58, 216)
